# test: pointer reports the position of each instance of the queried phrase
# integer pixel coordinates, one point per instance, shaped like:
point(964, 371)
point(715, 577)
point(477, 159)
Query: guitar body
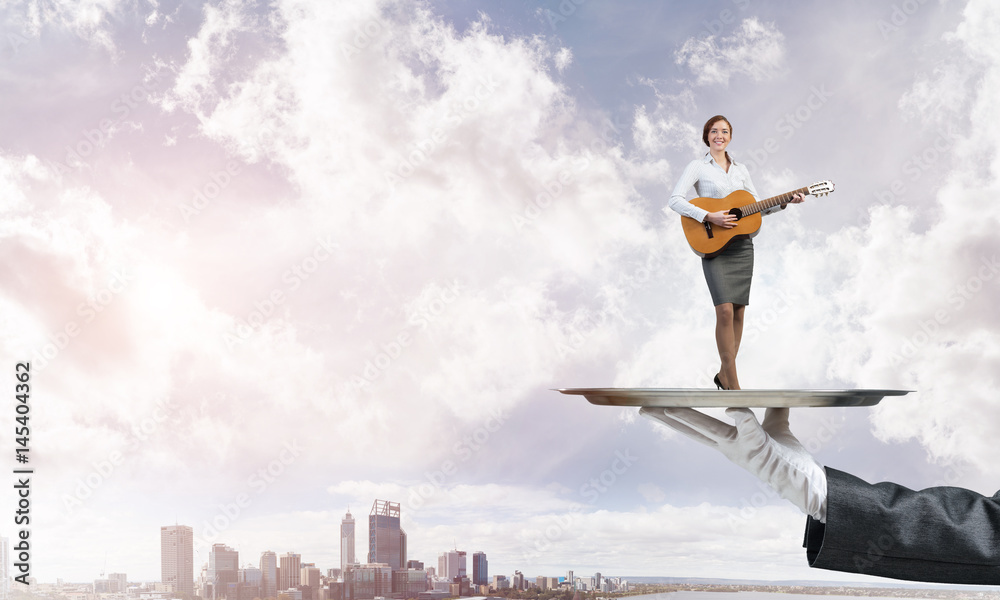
point(710, 240)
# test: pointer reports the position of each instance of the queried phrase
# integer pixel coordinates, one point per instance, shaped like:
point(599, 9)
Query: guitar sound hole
point(736, 212)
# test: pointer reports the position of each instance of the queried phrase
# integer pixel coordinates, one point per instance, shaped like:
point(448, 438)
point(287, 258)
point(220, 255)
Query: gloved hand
point(770, 451)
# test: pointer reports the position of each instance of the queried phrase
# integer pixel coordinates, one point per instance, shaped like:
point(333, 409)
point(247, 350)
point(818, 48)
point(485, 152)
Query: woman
point(728, 274)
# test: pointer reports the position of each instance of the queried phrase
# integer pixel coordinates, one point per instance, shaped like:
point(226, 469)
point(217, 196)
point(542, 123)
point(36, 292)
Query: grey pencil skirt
point(728, 274)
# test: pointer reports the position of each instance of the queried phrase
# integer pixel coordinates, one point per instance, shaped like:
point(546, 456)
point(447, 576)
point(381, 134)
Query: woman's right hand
point(722, 219)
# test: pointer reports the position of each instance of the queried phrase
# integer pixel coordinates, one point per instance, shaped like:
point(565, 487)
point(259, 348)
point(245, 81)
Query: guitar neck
point(778, 200)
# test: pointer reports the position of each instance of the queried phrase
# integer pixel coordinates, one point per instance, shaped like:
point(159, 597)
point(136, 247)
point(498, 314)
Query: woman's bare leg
point(738, 311)
point(727, 341)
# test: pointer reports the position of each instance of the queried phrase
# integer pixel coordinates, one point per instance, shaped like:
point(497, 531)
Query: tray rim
point(749, 398)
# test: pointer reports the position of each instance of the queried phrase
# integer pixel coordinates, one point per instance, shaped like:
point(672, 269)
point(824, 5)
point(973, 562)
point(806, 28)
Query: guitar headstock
point(822, 188)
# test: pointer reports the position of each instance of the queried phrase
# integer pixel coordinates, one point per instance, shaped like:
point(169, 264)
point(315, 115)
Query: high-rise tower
point(480, 569)
point(347, 544)
point(223, 569)
point(384, 535)
point(177, 558)
point(291, 571)
point(268, 575)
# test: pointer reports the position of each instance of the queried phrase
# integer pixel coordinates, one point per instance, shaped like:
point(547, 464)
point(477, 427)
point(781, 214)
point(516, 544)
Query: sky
point(271, 261)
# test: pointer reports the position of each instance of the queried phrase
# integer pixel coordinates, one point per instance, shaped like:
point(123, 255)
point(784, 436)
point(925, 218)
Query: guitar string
point(773, 201)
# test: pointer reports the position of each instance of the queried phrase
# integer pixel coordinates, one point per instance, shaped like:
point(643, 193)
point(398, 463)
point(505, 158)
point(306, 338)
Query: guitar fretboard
point(778, 200)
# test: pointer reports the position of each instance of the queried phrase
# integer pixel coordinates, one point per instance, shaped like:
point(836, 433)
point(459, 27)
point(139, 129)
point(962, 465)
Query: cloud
point(755, 49)
point(90, 20)
point(422, 233)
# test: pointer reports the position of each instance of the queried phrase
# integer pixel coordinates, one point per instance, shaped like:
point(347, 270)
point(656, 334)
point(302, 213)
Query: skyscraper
point(310, 575)
point(117, 583)
point(177, 558)
point(291, 571)
point(223, 569)
point(384, 535)
point(480, 569)
point(347, 544)
point(402, 549)
point(518, 583)
point(451, 564)
point(268, 574)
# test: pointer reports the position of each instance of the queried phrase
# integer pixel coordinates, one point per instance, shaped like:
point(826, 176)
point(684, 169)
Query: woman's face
point(719, 136)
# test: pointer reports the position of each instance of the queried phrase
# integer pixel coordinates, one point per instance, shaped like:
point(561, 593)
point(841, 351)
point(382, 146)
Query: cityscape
point(388, 573)
point(385, 572)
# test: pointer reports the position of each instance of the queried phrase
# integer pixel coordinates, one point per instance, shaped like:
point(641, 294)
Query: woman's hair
point(708, 127)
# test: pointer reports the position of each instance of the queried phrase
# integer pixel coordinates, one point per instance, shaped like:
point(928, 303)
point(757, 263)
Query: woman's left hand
point(797, 198)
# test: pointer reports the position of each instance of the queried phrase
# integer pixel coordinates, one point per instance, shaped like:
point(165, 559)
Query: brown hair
point(708, 127)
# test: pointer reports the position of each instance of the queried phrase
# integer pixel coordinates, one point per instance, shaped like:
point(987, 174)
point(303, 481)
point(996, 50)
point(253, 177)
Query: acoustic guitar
point(710, 240)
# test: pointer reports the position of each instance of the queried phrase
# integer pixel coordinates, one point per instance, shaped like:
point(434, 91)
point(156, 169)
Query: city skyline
point(273, 260)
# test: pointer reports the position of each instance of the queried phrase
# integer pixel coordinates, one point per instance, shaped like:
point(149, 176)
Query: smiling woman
point(728, 273)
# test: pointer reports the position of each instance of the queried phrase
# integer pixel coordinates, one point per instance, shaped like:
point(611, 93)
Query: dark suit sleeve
point(942, 534)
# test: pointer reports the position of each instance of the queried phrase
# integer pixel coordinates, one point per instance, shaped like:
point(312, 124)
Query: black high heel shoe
point(718, 382)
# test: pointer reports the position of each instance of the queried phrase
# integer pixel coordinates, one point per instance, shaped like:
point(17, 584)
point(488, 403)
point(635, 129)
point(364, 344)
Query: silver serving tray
point(706, 398)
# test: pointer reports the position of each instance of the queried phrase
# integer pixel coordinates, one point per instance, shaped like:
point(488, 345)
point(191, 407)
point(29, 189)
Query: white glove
point(770, 452)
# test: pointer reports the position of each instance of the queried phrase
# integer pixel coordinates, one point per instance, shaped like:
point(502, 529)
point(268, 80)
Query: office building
point(364, 582)
point(117, 583)
point(407, 583)
point(518, 582)
point(500, 582)
point(223, 569)
point(290, 566)
point(402, 549)
point(268, 575)
point(251, 575)
point(310, 575)
point(451, 564)
point(177, 558)
point(347, 544)
point(480, 569)
point(386, 542)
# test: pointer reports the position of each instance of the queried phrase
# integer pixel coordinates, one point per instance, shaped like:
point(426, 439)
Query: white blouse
point(710, 181)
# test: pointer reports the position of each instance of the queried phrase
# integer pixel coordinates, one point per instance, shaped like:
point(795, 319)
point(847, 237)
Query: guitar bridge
point(708, 229)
